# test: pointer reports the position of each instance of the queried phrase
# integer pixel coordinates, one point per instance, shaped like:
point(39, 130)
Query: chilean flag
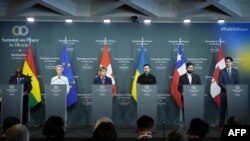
point(180, 69)
point(215, 88)
point(105, 62)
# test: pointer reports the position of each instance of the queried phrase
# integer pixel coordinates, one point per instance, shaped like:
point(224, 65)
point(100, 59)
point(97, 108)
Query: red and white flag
point(105, 62)
point(215, 88)
point(180, 69)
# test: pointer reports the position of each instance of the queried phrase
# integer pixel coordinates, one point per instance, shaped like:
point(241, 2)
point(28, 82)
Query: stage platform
point(124, 134)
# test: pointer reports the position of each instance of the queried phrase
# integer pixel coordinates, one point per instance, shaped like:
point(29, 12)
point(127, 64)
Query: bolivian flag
point(138, 72)
point(29, 69)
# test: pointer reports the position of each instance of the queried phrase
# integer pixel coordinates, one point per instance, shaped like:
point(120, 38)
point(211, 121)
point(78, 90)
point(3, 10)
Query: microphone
point(62, 79)
point(58, 78)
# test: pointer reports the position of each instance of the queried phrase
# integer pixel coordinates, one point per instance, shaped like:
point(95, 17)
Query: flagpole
point(65, 40)
point(28, 95)
point(142, 41)
point(181, 113)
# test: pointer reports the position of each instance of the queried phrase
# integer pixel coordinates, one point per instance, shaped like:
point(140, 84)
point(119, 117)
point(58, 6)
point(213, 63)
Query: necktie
point(229, 73)
point(18, 80)
point(103, 80)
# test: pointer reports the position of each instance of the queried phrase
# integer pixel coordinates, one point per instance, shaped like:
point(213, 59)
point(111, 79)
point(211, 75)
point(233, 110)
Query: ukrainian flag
point(138, 72)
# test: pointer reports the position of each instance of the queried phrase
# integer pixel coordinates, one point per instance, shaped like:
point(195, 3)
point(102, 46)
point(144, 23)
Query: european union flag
point(72, 95)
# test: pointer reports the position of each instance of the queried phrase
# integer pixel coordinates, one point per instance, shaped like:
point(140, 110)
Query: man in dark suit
point(20, 78)
point(102, 78)
point(227, 76)
point(189, 78)
point(146, 77)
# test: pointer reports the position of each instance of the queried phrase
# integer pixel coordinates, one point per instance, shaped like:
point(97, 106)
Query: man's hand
point(25, 93)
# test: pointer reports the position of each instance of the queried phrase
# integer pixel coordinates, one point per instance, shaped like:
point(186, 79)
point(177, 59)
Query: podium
point(147, 101)
point(102, 102)
point(12, 101)
point(237, 101)
point(193, 96)
point(55, 101)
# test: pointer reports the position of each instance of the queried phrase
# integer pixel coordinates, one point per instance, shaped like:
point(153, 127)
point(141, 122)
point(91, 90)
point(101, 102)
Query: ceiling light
point(147, 21)
point(30, 19)
point(221, 21)
point(187, 21)
point(107, 21)
point(68, 21)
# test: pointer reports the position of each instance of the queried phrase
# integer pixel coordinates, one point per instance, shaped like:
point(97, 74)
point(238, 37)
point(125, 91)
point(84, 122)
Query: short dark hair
point(54, 126)
point(105, 132)
point(9, 122)
point(198, 127)
point(177, 134)
point(145, 123)
point(234, 120)
point(189, 64)
point(146, 65)
point(229, 58)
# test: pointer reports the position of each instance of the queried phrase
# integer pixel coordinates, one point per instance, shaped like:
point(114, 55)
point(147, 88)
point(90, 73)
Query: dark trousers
point(223, 109)
point(25, 109)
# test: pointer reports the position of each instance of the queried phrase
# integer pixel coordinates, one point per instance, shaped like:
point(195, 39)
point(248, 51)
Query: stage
point(81, 134)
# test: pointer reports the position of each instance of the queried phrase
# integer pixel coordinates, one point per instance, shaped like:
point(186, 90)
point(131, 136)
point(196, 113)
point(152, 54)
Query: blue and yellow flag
point(138, 72)
point(72, 95)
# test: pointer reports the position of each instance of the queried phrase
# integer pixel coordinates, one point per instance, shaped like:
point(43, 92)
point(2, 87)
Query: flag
point(29, 68)
point(105, 62)
point(138, 72)
point(72, 95)
point(180, 69)
point(214, 87)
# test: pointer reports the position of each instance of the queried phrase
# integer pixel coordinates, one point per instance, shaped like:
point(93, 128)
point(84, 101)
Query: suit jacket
point(185, 81)
point(99, 81)
point(225, 80)
point(25, 80)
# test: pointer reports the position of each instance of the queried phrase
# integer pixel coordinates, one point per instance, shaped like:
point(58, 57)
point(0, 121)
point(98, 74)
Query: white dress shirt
point(189, 78)
point(60, 80)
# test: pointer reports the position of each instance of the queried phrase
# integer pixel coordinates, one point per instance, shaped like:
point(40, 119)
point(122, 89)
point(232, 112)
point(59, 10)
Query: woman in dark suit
point(102, 78)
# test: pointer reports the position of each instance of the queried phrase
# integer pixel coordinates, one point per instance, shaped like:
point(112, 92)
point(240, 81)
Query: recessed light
point(187, 21)
point(30, 19)
point(107, 21)
point(147, 21)
point(221, 21)
point(68, 20)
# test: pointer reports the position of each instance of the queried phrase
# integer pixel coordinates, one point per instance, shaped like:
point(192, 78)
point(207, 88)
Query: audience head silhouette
point(198, 128)
point(17, 132)
point(105, 131)
point(234, 120)
point(145, 125)
point(9, 122)
point(54, 128)
point(177, 134)
point(101, 120)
